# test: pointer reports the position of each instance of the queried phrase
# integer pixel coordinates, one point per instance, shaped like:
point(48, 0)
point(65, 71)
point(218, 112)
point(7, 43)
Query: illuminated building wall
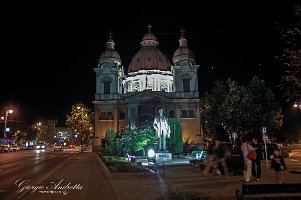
point(151, 82)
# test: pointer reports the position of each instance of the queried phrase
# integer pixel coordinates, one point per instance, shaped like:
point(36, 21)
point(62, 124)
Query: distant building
point(51, 123)
point(150, 82)
point(46, 129)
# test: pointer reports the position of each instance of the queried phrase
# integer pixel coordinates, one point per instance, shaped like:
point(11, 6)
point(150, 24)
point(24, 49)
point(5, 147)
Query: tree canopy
point(80, 121)
point(290, 83)
point(238, 108)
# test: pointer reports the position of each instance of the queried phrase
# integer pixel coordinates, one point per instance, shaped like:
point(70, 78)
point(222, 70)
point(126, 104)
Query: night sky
point(49, 50)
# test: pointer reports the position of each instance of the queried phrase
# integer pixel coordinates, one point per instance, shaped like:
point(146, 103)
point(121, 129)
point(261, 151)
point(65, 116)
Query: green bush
point(121, 164)
point(109, 160)
point(126, 167)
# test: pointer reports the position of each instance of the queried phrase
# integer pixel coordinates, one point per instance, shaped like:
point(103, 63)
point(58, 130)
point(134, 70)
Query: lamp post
point(5, 122)
point(297, 105)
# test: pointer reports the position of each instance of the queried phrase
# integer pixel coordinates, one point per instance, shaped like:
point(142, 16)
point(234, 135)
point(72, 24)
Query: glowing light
point(151, 153)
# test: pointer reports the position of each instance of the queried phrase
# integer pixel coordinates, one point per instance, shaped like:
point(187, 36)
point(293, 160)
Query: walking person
point(278, 165)
point(256, 164)
point(219, 152)
point(246, 148)
point(210, 161)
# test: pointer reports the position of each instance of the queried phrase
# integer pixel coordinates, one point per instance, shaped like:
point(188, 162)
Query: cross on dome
point(149, 27)
point(182, 31)
point(110, 34)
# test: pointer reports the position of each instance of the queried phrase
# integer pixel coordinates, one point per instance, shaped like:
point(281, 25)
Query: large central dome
point(149, 57)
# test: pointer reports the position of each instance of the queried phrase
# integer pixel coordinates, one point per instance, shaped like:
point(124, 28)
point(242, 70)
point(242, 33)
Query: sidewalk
point(185, 177)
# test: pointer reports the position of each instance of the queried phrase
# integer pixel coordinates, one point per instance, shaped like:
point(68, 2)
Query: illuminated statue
point(162, 129)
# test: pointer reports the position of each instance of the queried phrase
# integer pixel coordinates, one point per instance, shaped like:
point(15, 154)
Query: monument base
point(163, 156)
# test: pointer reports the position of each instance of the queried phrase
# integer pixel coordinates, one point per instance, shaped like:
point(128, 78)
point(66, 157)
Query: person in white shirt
point(245, 148)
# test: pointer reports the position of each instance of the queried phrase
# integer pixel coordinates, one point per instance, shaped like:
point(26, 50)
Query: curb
point(104, 167)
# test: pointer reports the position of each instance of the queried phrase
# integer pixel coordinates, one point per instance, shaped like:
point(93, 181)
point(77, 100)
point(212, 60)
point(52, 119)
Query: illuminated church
point(151, 81)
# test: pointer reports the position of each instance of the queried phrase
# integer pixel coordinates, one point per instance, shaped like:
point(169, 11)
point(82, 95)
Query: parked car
point(14, 147)
point(4, 148)
point(57, 147)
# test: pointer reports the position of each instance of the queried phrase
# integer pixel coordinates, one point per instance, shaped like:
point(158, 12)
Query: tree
point(135, 139)
point(236, 108)
point(36, 132)
point(290, 83)
point(110, 146)
point(265, 109)
point(176, 142)
point(80, 121)
point(225, 108)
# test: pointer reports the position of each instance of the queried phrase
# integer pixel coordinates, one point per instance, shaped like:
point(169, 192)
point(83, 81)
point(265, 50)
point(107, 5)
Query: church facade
point(151, 81)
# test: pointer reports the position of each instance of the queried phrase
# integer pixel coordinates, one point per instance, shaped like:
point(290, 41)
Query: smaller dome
point(110, 52)
point(149, 36)
point(149, 39)
point(183, 52)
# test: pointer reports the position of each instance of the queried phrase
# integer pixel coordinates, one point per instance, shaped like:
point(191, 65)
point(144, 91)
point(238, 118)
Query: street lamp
point(297, 105)
point(5, 122)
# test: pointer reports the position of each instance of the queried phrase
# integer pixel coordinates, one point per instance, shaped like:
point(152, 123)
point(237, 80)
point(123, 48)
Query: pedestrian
point(219, 152)
point(210, 161)
point(246, 148)
point(256, 164)
point(278, 165)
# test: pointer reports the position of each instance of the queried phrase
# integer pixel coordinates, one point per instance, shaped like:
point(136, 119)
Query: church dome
point(149, 57)
point(110, 52)
point(183, 52)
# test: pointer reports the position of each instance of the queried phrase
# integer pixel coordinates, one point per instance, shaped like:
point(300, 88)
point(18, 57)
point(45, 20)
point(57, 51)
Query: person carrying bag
point(252, 155)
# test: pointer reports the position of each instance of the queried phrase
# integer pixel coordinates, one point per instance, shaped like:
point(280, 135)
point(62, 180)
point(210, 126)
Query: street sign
point(264, 131)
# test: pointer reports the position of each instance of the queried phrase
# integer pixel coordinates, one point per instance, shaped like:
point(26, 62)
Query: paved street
point(67, 174)
point(29, 164)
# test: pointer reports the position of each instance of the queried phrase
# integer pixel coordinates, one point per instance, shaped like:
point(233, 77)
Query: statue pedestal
point(163, 156)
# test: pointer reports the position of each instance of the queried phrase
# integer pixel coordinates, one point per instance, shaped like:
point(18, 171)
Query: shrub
point(126, 167)
point(109, 160)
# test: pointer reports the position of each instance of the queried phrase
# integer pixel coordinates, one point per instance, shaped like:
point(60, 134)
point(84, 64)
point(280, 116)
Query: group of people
point(250, 167)
point(253, 167)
